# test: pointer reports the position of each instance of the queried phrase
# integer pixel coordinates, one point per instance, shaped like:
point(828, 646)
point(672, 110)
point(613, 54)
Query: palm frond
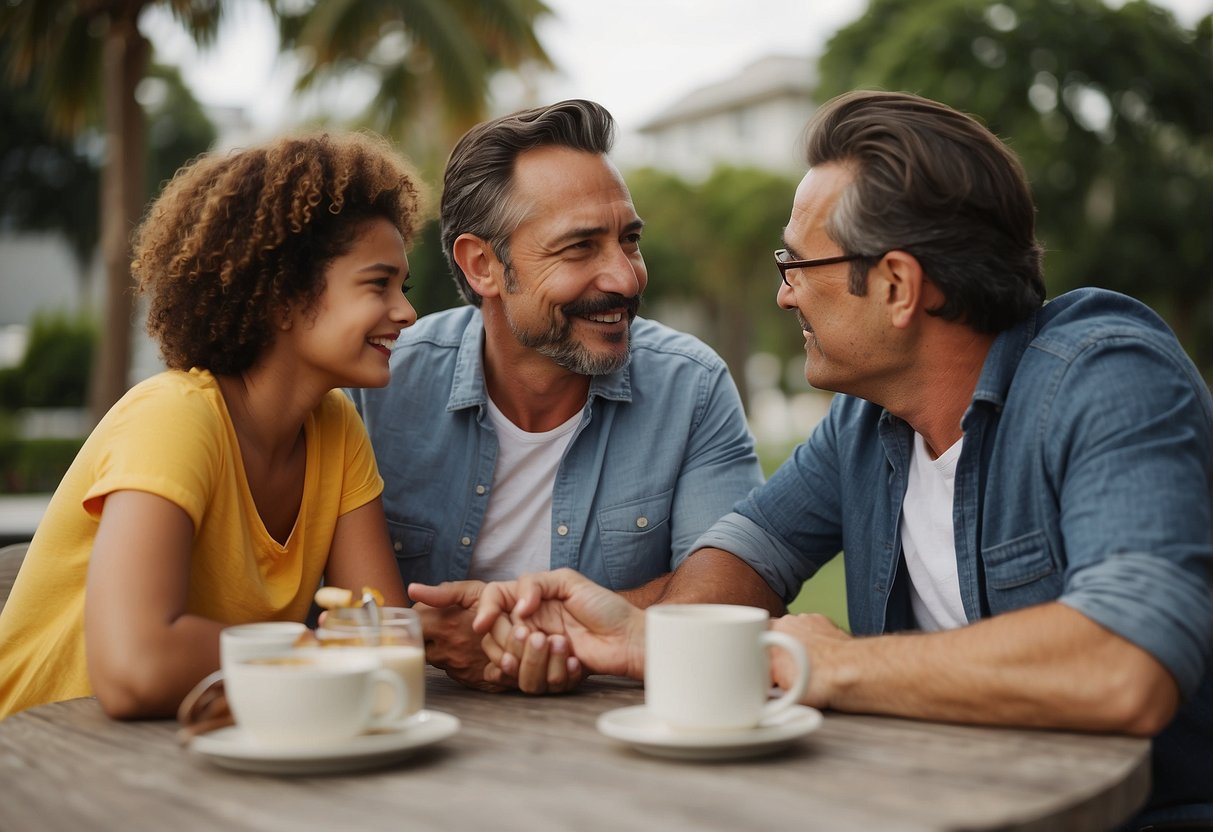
point(70, 82)
point(33, 30)
point(444, 55)
point(505, 29)
point(199, 18)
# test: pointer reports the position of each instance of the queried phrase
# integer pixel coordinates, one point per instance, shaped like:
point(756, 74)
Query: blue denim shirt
point(662, 452)
point(1085, 477)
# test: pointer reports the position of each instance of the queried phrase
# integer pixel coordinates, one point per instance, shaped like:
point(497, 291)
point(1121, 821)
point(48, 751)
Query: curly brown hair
point(236, 240)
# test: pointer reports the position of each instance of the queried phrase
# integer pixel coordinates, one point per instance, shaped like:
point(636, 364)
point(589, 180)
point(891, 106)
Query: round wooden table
point(538, 763)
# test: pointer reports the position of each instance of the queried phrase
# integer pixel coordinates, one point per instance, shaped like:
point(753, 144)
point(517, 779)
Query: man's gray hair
point(936, 183)
point(477, 195)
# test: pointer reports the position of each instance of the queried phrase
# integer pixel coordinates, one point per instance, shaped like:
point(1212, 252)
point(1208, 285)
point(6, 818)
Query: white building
point(749, 119)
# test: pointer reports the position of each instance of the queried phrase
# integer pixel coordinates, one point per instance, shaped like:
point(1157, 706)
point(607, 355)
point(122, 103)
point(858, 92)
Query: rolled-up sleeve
point(788, 528)
point(720, 465)
point(1131, 456)
point(1154, 604)
point(781, 568)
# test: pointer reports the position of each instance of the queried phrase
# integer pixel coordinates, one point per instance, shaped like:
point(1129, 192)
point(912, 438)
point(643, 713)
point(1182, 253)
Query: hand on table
point(532, 660)
point(447, 611)
point(822, 639)
point(604, 631)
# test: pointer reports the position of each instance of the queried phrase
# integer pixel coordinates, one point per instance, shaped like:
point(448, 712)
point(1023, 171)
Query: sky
point(635, 57)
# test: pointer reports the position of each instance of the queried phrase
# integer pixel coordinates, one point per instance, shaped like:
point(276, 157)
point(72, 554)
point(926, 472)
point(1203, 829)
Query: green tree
point(433, 287)
point(178, 129)
point(709, 244)
point(1111, 111)
point(70, 43)
point(51, 182)
point(54, 371)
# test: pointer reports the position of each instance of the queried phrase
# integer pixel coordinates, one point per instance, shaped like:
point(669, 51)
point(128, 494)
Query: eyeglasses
point(784, 261)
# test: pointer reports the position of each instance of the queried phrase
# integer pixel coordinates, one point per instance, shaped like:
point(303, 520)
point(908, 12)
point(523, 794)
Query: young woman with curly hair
point(223, 490)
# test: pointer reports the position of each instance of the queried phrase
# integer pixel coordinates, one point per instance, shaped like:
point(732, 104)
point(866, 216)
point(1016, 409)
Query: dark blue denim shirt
point(661, 452)
point(1085, 477)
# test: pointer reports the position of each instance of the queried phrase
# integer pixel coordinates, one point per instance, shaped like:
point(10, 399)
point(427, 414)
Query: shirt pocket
point(636, 539)
point(413, 546)
point(1021, 572)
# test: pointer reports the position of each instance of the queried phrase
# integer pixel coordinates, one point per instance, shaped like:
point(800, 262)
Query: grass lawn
point(825, 592)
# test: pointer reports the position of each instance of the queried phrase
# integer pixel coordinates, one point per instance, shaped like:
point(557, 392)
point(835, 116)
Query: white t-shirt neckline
point(516, 535)
point(928, 539)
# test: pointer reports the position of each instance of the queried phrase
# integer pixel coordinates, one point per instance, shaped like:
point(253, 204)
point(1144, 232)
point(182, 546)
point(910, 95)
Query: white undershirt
point(928, 540)
point(516, 536)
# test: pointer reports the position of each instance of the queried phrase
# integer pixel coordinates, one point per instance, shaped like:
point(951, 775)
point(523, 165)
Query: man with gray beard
point(545, 425)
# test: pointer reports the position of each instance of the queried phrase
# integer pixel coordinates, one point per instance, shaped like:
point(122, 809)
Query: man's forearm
point(1046, 666)
point(714, 576)
point(647, 594)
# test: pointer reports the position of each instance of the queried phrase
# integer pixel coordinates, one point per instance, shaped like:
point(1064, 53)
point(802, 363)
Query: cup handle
point(400, 699)
point(204, 708)
point(771, 638)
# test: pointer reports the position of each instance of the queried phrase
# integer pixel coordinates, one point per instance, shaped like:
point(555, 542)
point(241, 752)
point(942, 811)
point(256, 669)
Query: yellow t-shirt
point(172, 436)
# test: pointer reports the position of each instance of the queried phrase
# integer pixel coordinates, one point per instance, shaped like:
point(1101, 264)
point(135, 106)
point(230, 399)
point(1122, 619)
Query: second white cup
point(396, 642)
point(706, 667)
point(241, 642)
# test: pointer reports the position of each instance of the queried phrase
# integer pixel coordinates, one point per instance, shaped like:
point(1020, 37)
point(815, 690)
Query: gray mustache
point(609, 301)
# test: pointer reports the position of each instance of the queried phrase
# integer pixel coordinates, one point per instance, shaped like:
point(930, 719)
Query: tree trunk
point(733, 336)
point(736, 349)
point(122, 194)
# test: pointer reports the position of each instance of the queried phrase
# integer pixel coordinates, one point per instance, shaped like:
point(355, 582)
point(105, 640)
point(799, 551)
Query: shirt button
point(642, 522)
point(466, 541)
point(562, 530)
point(397, 546)
point(480, 489)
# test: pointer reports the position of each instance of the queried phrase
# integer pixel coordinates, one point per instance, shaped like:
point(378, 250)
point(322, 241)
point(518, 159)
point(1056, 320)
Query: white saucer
point(638, 727)
point(231, 748)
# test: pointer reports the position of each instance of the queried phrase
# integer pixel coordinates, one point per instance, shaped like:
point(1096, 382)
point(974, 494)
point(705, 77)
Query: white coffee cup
point(241, 642)
point(396, 641)
point(311, 697)
point(706, 667)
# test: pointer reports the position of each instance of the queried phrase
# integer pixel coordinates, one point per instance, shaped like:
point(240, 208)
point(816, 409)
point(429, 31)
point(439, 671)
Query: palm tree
point(430, 61)
point(424, 52)
point(66, 42)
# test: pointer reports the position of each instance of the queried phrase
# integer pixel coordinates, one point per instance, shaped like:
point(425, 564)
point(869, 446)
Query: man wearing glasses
point(1024, 491)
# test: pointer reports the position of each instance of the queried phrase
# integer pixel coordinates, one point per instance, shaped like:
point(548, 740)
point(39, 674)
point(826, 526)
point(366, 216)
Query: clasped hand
point(604, 633)
point(512, 657)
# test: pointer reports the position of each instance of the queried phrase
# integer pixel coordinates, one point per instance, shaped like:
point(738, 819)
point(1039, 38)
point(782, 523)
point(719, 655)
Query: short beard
point(577, 359)
point(557, 342)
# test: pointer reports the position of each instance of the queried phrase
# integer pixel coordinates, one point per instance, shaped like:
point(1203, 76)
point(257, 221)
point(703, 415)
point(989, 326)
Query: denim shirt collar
point(993, 384)
point(1003, 360)
point(468, 387)
point(467, 383)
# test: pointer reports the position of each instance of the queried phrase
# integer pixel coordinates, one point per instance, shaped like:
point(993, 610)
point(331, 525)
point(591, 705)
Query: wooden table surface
point(538, 763)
